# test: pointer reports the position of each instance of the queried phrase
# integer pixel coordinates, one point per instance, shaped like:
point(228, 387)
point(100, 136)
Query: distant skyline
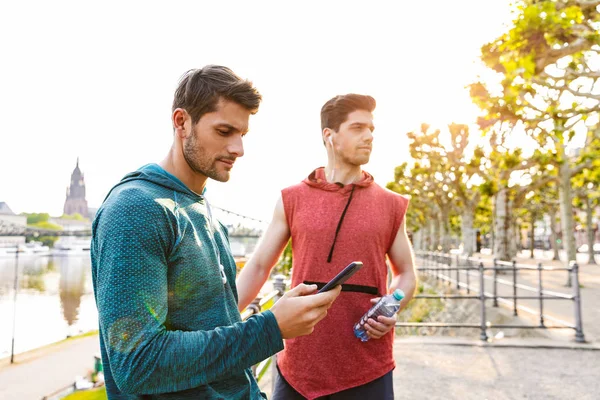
point(96, 81)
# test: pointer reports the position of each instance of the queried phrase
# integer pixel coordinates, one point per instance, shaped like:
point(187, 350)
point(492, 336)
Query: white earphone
point(330, 140)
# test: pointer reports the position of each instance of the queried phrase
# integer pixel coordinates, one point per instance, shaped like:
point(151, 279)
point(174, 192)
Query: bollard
point(541, 292)
point(514, 270)
point(279, 285)
point(579, 337)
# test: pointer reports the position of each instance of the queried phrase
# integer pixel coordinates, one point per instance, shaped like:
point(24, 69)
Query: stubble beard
point(200, 161)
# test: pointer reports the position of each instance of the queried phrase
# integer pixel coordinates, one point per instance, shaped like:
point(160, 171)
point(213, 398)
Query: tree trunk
point(532, 233)
point(493, 229)
point(417, 239)
point(443, 232)
point(589, 230)
point(518, 237)
point(554, 235)
point(435, 237)
point(566, 211)
point(468, 232)
point(503, 248)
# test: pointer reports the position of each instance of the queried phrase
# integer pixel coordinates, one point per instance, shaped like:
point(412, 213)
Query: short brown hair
point(335, 112)
point(200, 90)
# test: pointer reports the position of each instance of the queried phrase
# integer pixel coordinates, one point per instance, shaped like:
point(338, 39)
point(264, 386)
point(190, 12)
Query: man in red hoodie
point(335, 216)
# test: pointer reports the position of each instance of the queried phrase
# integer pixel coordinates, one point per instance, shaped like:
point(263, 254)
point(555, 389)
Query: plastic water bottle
point(387, 306)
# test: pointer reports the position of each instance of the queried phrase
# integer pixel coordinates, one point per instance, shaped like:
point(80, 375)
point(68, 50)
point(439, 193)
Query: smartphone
point(343, 276)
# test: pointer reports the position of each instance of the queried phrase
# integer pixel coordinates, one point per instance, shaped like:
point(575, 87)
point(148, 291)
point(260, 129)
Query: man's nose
point(236, 146)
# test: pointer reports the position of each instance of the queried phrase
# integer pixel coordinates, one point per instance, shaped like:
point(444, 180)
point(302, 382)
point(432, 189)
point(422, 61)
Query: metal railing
point(458, 270)
point(262, 304)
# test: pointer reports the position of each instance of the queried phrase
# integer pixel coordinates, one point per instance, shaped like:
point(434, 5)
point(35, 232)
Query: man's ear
point(328, 136)
point(181, 122)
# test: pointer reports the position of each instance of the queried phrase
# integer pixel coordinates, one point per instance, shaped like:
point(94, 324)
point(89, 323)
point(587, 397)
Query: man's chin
point(361, 161)
point(221, 177)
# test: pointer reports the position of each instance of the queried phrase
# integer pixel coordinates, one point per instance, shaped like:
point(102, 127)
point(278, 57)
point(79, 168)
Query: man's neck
point(345, 174)
point(175, 164)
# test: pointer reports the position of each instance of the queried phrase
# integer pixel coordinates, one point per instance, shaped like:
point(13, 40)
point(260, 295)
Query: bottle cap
point(398, 294)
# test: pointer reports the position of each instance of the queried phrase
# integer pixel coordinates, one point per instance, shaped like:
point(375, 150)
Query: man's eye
point(224, 133)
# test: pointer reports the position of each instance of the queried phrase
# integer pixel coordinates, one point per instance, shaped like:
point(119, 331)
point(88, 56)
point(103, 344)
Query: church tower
point(76, 202)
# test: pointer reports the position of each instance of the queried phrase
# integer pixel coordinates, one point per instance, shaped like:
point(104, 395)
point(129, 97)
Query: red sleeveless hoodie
point(329, 221)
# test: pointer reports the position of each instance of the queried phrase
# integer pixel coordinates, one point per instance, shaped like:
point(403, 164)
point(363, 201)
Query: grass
point(420, 310)
point(92, 394)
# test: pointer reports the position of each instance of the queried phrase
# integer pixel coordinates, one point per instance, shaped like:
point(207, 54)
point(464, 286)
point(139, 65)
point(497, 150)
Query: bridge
point(239, 226)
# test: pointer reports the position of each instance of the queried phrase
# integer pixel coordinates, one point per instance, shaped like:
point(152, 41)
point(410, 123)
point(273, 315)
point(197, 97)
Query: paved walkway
point(41, 372)
point(428, 369)
point(451, 368)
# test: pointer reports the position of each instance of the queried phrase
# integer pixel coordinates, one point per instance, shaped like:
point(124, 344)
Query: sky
point(96, 81)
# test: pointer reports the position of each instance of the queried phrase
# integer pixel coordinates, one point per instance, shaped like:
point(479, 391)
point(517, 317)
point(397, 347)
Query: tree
point(429, 179)
point(465, 175)
point(419, 211)
point(34, 218)
point(546, 61)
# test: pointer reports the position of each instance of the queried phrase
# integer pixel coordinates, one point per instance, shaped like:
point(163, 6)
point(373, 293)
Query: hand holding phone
point(343, 276)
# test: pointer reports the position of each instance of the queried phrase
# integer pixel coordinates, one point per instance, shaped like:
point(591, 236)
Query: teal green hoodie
point(169, 325)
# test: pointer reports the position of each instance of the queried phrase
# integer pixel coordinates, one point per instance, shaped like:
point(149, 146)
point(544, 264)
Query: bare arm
point(256, 271)
point(403, 266)
point(403, 278)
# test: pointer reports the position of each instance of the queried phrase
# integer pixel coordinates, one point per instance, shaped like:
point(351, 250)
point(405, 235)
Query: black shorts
point(379, 389)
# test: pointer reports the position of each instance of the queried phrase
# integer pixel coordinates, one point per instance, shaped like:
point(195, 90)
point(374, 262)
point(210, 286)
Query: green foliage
point(34, 218)
point(419, 310)
point(47, 240)
point(284, 266)
point(76, 217)
point(92, 394)
point(483, 215)
point(46, 225)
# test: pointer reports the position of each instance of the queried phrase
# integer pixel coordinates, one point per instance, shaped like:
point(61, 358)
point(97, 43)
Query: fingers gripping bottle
point(386, 306)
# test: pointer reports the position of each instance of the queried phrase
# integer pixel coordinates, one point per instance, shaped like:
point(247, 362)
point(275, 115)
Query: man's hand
point(377, 329)
point(298, 311)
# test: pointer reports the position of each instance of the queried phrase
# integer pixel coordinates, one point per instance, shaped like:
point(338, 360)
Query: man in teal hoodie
point(163, 273)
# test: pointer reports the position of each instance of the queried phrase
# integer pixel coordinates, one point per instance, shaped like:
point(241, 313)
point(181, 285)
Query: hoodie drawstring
point(340, 224)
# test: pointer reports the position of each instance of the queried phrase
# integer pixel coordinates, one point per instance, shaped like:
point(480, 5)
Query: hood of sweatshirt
point(156, 174)
point(318, 180)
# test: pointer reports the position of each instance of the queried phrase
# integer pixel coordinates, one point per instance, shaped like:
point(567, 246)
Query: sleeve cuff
point(273, 339)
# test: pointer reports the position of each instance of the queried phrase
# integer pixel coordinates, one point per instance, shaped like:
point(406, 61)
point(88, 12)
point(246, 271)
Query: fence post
point(541, 293)
point(495, 282)
point(483, 335)
point(514, 271)
point(448, 270)
point(437, 266)
point(579, 337)
point(468, 271)
point(457, 271)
